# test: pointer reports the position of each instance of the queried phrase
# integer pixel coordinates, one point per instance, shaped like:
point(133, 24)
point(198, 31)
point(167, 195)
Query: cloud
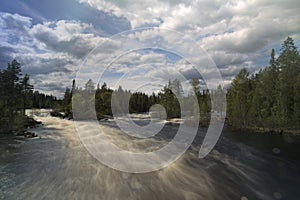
point(5, 56)
point(235, 26)
point(14, 22)
point(45, 49)
point(49, 50)
point(14, 37)
point(14, 31)
point(46, 63)
point(137, 58)
point(49, 84)
point(74, 38)
point(235, 34)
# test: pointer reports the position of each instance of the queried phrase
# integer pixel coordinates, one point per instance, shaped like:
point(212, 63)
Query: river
point(55, 165)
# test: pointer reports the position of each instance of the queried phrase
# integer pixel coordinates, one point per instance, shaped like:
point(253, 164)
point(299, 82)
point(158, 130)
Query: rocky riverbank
point(28, 124)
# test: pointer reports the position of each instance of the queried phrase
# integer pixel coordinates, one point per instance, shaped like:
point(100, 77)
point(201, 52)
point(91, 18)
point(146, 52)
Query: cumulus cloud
point(5, 55)
point(12, 22)
point(45, 49)
point(235, 34)
point(136, 58)
point(53, 83)
point(46, 63)
point(72, 37)
point(48, 50)
point(14, 33)
point(230, 28)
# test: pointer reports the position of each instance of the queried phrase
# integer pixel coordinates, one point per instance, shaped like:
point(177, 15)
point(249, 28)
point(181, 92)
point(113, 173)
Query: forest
point(17, 94)
point(268, 99)
point(169, 97)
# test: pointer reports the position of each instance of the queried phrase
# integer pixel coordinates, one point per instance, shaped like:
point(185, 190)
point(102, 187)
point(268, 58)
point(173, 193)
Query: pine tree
point(196, 85)
point(297, 102)
point(26, 88)
point(240, 98)
point(288, 62)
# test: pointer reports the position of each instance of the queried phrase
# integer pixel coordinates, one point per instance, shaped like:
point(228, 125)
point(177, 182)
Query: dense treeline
point(11, 92)
point(36, 100)
point(17, 95)
point(169, 97)
point(270, 98)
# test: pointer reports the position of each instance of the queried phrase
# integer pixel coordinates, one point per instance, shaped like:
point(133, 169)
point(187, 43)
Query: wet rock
point(30, 122)
point(104, 117)
point(57, 114)
point(27, 134)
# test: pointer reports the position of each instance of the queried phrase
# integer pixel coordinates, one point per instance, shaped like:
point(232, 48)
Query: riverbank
point(29, 124)
point(21, 129)
point(263, 130)
point(203, 123)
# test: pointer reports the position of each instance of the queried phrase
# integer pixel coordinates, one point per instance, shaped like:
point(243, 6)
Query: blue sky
point(52, 38)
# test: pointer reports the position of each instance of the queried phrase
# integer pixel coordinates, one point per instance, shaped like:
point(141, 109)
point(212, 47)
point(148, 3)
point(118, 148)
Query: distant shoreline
point(250, 130)
point(273, 131)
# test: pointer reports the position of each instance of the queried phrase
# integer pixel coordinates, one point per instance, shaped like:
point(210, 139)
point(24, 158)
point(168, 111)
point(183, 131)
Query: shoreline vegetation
point(267, 101)
point(17, 95)
point(272, 131)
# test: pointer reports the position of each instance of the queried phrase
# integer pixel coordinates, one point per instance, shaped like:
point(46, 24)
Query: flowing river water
point(56, 165)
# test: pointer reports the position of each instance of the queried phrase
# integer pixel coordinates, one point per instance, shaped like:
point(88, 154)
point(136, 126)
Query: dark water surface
point(57, 166)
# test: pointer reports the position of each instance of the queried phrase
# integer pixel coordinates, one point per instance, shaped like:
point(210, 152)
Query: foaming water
point(57, 166)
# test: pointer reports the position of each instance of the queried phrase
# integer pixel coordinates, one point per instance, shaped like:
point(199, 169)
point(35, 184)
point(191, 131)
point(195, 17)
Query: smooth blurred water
point(57, 166)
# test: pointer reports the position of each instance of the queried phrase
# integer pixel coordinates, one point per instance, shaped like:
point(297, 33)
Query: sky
point(142, 44)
